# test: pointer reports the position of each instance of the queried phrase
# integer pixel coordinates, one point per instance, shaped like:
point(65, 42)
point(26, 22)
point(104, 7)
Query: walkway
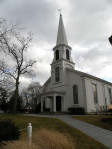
point(97, 133)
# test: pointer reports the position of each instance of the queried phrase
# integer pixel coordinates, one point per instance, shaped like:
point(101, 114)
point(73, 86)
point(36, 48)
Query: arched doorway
point(58, 103)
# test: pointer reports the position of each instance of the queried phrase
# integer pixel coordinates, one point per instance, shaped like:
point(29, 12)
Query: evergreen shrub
point(8, 131)
point(76, 110)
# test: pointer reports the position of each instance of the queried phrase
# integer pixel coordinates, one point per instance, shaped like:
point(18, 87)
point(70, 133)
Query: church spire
point(61, 35)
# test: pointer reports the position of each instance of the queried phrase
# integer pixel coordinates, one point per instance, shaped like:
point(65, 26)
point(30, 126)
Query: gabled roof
point(89, 76)
point(61, 35)
point(47, 82)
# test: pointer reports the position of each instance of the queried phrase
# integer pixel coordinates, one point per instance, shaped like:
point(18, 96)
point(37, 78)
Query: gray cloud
point(88, 25)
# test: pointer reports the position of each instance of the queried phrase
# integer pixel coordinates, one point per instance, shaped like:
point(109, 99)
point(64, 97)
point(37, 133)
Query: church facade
point(68, 87)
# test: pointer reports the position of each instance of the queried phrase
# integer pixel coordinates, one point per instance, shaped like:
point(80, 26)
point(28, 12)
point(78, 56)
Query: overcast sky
point(88, 25)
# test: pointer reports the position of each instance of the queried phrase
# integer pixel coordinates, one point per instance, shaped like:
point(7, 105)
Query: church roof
point(61, 35)
point(89, 76)
point(48, 81)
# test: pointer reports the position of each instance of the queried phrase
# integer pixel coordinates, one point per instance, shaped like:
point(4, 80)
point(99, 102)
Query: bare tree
point(34, 91)
point(14, 46)
point(24, 94)
point(32, 94)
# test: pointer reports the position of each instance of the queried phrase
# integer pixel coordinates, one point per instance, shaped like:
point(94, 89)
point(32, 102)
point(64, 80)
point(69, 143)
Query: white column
point(41, 104)
point(51, 104)
point(54, 103)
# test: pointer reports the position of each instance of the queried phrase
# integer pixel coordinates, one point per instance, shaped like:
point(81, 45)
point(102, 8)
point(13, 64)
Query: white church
point(68, 87)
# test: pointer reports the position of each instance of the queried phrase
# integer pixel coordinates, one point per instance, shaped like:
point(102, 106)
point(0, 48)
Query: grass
point(43, 139)
point(97, 120)
point(79, 139)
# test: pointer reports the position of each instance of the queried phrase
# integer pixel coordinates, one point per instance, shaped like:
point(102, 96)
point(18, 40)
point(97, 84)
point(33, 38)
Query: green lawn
point(97, 120)
point(80, 140)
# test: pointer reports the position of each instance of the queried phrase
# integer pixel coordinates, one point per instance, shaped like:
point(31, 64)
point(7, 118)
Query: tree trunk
point(16, 96)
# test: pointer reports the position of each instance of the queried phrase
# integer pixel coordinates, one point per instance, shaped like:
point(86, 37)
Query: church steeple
point(62, 56)
point(61, 35)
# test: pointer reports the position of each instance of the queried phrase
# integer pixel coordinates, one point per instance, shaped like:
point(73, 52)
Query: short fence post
point(29, 133)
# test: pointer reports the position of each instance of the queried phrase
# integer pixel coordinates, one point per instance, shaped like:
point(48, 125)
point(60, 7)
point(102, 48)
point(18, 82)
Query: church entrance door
point(58, 103)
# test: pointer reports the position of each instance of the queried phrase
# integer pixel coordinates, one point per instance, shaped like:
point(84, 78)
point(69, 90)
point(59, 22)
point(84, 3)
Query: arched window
point(75, 94)
point(67, 54)
point(110, 95)
point(57, 54)
point(95, 93)
point(57, 76)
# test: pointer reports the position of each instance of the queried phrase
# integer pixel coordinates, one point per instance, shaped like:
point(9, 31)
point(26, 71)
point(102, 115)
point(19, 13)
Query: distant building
point(68, 87)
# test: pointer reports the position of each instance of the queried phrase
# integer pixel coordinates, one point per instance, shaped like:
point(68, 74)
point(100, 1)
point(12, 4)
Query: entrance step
point(53, 113)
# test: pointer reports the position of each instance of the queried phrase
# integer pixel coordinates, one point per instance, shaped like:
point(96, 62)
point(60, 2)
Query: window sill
point(57, 82)
point(76, 104)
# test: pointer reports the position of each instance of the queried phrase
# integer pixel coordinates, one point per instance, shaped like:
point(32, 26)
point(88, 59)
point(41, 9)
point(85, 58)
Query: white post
point(29, 133)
